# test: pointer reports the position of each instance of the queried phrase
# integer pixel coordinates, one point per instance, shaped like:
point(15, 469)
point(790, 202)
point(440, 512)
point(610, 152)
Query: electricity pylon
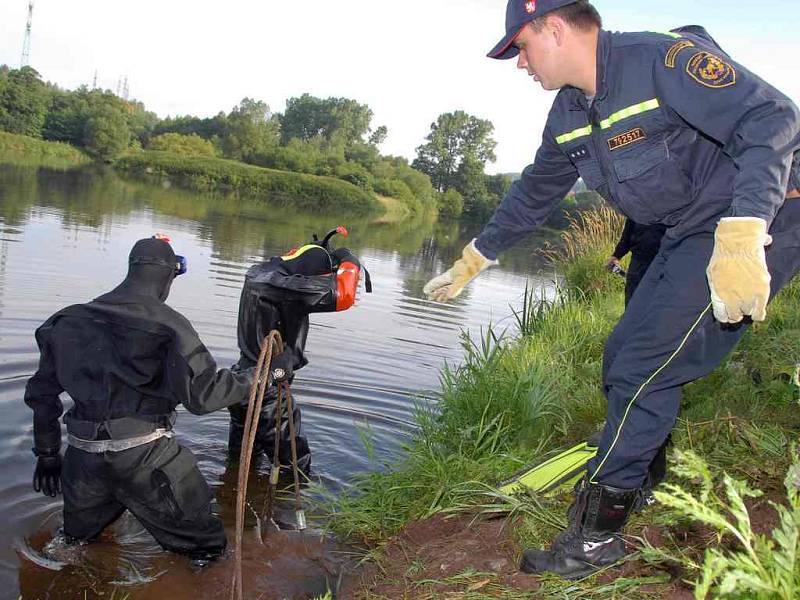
point(26, 45)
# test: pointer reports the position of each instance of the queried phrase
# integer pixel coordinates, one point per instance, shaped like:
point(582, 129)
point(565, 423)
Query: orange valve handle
point(347, 277)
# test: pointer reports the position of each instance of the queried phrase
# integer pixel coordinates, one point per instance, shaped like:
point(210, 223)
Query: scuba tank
point(282, 291)
point(315, 276)
point(339, 266)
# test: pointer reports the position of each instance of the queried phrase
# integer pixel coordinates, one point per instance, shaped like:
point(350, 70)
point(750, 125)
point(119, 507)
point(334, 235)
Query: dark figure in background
point(127, 360)
point(793, 190)
point(643, 242)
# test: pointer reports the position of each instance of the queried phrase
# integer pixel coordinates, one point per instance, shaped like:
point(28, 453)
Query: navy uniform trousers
point(666, 338)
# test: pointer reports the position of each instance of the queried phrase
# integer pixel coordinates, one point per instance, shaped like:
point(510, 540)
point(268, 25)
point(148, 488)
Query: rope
point(261, 379)
point(300, 516)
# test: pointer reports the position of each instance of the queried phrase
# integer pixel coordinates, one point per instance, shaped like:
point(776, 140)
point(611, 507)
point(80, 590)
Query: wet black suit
point(260, 313)
point(643, 242)
point(127, 360)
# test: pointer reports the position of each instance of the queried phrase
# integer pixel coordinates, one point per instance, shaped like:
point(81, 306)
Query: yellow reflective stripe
point(639, 391)
point(300, 251)
point(671, 34)
point(630, 111)
point(575, 134)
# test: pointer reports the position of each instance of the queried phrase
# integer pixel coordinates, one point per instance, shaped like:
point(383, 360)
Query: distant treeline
point(332, 137)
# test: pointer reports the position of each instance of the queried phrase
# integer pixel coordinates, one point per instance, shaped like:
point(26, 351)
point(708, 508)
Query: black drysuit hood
point(151, 269)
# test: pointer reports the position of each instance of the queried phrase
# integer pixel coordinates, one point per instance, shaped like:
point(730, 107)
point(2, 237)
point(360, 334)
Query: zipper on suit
point(605, 168)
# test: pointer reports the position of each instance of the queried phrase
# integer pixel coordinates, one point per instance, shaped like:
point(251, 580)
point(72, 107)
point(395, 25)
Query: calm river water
point(64, 238)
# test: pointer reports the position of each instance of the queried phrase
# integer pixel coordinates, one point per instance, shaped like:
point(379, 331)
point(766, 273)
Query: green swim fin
point(559, 472)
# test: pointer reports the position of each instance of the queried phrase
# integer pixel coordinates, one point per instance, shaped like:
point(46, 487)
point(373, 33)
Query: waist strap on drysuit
point(115, 435)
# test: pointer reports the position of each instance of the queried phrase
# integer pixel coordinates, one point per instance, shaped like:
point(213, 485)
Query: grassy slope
point(395, 210)
point(21, 149)
point(519, 400)
point(205, 173)
point(213, 174)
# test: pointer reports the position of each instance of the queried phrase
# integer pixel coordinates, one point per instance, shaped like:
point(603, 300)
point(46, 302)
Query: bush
point(355, 174)
point(21, 148)
point(450, 203)
point(362, 153)
point(756, 567)
point(209, 174)
point(419, 184)
point(296, 156)
point(397, 189)
point(186, 145)
point(392, 171)
point(106, 134)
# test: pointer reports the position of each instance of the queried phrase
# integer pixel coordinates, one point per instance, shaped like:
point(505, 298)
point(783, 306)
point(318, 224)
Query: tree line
point(318, 136)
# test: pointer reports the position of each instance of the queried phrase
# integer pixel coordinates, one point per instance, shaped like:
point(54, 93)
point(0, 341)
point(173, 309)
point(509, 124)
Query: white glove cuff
point(754, 220)
point(474, 248)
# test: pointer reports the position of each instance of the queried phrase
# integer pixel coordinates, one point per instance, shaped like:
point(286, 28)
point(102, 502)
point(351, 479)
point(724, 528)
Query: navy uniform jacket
point(678, 134)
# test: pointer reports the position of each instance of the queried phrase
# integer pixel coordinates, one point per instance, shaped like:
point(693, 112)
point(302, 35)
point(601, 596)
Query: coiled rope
point(271, 346)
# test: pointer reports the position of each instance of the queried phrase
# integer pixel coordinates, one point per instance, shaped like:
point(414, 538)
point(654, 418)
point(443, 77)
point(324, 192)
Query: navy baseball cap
point(518, 14)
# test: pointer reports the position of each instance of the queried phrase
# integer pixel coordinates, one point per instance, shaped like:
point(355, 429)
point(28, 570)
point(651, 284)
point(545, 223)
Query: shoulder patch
point(710, 70)
point(673, 52)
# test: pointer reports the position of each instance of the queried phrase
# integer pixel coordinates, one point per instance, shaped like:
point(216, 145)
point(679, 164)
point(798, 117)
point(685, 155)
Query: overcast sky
point(408, 60)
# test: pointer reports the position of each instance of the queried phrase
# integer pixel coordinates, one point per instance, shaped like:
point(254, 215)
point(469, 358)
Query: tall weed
point(585, 247)
point(745, 564)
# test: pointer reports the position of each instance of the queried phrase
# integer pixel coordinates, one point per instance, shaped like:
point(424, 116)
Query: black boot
point(656, 473)
point(265, 435)
point(590, 541)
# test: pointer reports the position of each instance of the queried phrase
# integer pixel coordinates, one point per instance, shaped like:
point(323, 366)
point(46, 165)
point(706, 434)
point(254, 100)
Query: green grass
point(515, 401)
point(278, 187)
point(24, 150)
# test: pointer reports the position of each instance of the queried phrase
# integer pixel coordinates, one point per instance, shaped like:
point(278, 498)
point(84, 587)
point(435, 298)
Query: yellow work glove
point(737, 273)
point(449, 284)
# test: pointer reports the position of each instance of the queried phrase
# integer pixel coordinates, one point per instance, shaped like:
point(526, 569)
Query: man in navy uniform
point(668, 129)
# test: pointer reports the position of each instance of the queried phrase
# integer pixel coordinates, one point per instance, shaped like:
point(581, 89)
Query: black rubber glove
point(282, 367)
point(47, 476)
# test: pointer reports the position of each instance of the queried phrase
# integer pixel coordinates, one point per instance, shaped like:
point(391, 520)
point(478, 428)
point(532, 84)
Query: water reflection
point(64, 238)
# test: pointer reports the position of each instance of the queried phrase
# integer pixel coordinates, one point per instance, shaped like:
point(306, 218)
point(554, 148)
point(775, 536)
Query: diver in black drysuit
point(279, 293)
point(260, 313)
point(127, 360)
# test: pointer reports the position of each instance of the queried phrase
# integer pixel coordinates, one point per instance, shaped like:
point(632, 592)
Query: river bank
point(434, 525)
point(207, 174)
point(24, 150)
point(510, 403)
